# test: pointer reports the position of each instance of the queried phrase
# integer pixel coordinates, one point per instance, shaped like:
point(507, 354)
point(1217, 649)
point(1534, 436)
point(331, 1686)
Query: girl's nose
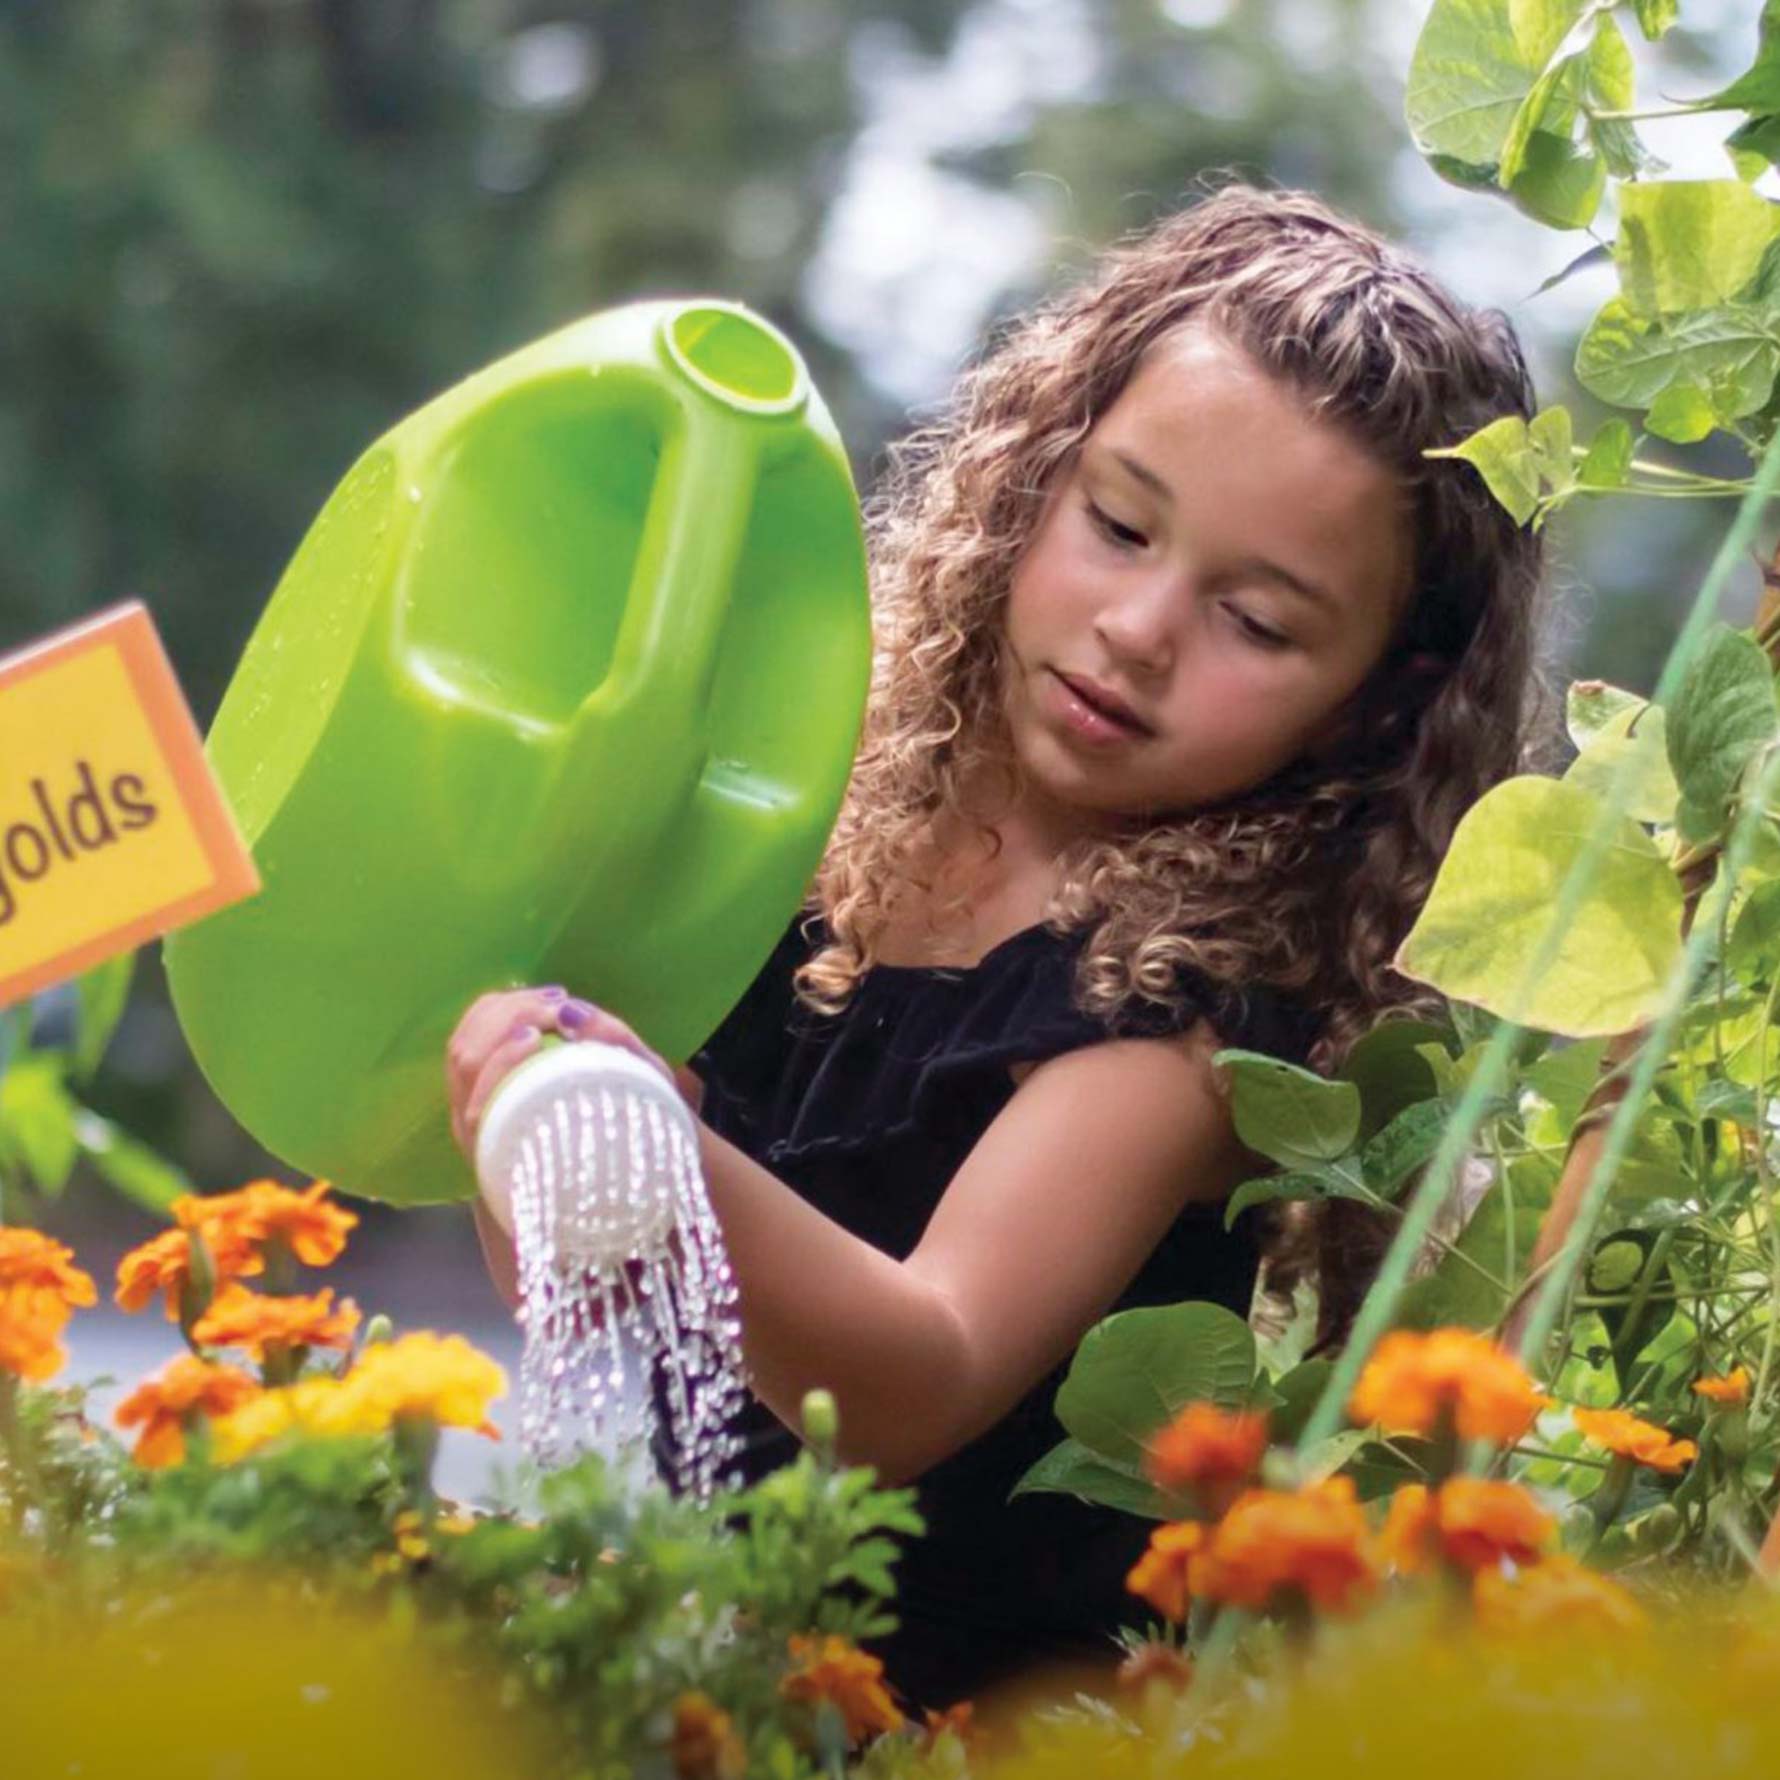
point(1138, 630)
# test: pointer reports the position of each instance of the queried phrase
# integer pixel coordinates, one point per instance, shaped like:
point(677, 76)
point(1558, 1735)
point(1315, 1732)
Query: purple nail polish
point(575, 1014)
point(555, 992)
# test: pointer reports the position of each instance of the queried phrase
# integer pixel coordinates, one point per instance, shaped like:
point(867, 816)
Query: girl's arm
point(1046, 1222)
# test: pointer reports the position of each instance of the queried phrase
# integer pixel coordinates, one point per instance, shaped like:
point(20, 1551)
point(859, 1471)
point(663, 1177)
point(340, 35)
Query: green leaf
point(37, 1114)
point(1551, 437)
point(1681, 413)
point(1137, 1369)
point(1722, 715)
point(1456, 1293)
point(1407, 1143)
point(1297, 1183)
point(1290, 1115)
point(1629, 360)
point(1754, 947)
point(130, 1166)
point(1491, 906)
point(1387, 1066)
point(1687, 244)
point(1566, 1077)
point(1754, 147)
point(1297, 1392)
point(102, 992)
point(1758, 87)
point(1637, 730)
point(1561, 184)
point(1656, 16)
point(1608, 460)
point(1503, 455)
point(1590, 705)
point(1071, 1469)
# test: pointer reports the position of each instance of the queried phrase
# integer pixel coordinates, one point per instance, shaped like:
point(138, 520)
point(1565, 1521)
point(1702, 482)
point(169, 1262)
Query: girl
point(1188, 663)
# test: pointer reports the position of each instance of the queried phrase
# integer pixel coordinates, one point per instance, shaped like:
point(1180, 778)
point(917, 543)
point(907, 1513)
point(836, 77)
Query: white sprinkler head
point(609, 1137)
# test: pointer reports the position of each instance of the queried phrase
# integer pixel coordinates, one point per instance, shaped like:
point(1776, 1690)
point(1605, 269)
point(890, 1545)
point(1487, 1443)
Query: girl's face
point(1220, 564)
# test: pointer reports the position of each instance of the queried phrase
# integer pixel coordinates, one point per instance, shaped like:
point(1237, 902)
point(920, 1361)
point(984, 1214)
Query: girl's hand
point(500, 1030)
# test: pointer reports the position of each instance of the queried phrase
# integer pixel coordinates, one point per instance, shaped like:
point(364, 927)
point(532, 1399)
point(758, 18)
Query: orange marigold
point(1417, 1383)
point(1163, 1576)
point(1409, 1543)
point(1622, 1432)
point(164, 1264)
point(1556, 1595)
point(305, 1219)
point(33, 1262)
point(833, 1669)
point(1483, 1521)
point(705, 1745)
point(31, 1324)
point(166, 1404)
point(1733, 1388)
point(1208, 1453)
point(1312, 1542)
point(254, 1322)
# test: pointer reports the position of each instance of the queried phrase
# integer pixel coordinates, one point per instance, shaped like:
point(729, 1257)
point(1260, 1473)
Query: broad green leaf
point(1629, 360)
point(1071, 1469)
point(1590, 705)
point(1681, 413)
point(1561, 185)
point(1656, 16)
point(1387, 1067)
point(1723, 713)
point(37, 1117)
point(1407, 1143)
point(1754, 948)
point(1551, 436)
point(1294, 1184)
point(1288, 1114)
point(103, 992)
point(1297, 1392)
point(1757, 89)
point(1754, 147)
point(130, 1166)
point(1456, 1293)
point(1491, 906)
point(1136, 1370)
point(1503, 455)
point(1608, 460)
point(1687, 244)
point(1567, 1076)
point(1638, 731)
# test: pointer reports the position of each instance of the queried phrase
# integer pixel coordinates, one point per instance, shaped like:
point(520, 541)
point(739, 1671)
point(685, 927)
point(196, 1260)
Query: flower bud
point(378, 1330)
point(821, 1419)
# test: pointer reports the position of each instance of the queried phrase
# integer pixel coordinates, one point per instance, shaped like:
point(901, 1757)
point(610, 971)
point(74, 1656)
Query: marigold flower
point(704, 1744)
point(1733, 1388)
point(1163, 1576)
point(1623, 1433)
point(166, 1404)
point(1409, 1543)
point(955, 1721)
point(254, 1322)
point(1556, 1595)
point(1483, 1521)
point(164, 1264)
point(1209, 1453)
point(1419, 1383)
point(310, 1406)
point(312, 1226)
point(31, 1324)
point(1313, 1542)
point(33, 1262)
point(439, 1378)
point(833, 1669)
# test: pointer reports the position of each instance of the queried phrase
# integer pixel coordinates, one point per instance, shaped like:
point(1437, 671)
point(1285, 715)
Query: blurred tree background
point(243, 237)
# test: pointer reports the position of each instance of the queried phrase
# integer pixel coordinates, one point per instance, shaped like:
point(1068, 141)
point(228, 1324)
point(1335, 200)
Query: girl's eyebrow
point(1274, 571)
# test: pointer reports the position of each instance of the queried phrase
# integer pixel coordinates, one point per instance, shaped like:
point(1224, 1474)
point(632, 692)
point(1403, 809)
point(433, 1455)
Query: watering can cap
point(735, 356)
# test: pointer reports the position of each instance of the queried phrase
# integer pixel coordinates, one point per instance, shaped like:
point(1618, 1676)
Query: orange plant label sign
point(112, 829)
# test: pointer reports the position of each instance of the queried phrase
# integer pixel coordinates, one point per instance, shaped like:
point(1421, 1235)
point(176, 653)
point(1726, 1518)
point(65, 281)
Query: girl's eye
point(1110, 528)
point(1259, 633)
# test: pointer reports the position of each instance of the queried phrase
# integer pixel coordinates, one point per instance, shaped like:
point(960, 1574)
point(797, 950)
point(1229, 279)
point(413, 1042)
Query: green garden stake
point(563, 685)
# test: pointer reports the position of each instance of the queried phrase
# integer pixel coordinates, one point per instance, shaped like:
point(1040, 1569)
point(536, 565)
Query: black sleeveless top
point(868, 1115)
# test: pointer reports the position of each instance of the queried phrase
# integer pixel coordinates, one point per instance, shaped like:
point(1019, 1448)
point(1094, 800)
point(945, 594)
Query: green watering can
point(563, 685)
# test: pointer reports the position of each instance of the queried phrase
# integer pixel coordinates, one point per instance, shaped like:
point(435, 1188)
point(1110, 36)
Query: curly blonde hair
point(1310, 881)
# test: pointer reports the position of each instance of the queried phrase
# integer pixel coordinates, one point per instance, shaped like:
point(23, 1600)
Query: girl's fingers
point(485, 1024)
point(506, 1056)
point(582, 1020)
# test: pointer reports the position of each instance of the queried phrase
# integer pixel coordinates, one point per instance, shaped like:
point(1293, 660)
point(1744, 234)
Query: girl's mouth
point(1087, 719)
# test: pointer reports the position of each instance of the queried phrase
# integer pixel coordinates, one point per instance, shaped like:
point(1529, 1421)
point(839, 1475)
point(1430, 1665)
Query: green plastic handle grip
point(563, 685)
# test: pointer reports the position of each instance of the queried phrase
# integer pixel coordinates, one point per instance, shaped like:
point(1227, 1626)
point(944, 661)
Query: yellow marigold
point(305, 1219)
point(1733, 1388)
point(1163, 1576)
point(310, 1406)
point(1209, 1453)
point(705, 1745)
point(1622, 1432)
point(31, 1324)
point(33, 1262)
point(164, 1264)
point(1418, 1383)
point(1312, 1542)
point(253, 1322)
point(833, 1669)
point(166, 1404)
point(439, 1378)
point(1556, 1595)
